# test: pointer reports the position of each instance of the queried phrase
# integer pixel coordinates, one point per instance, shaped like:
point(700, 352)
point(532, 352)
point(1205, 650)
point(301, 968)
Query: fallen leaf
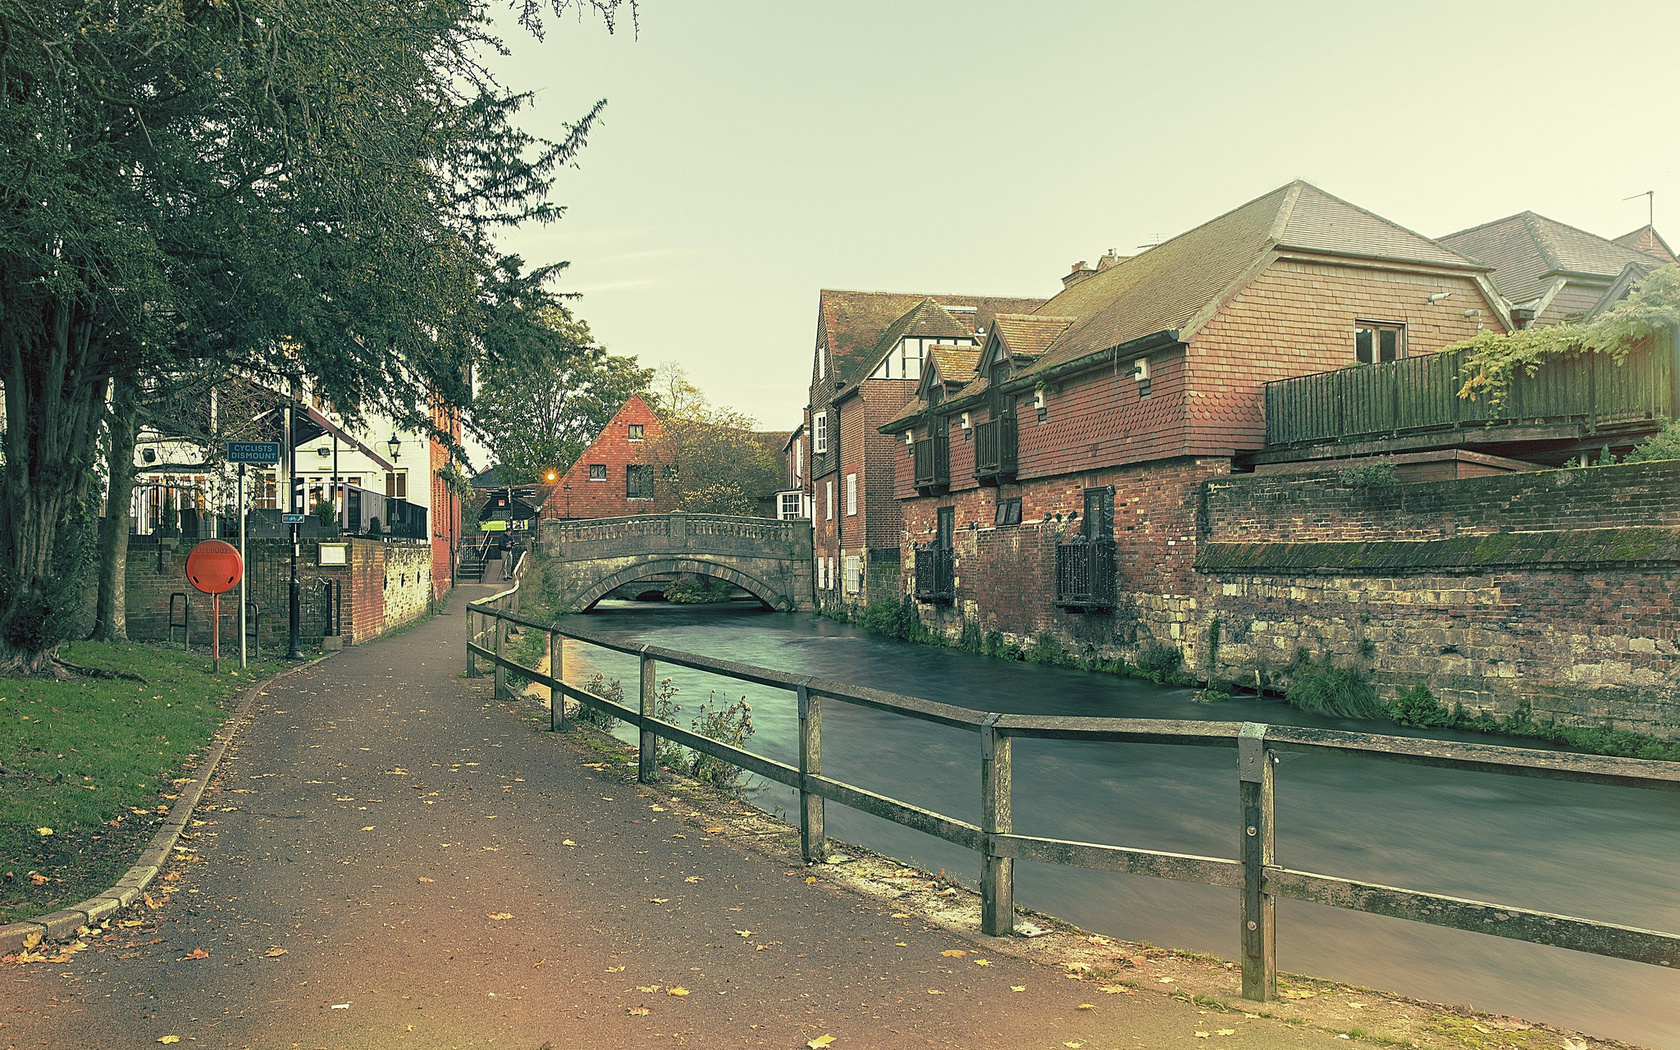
point(1079, 967)
point(567, 842)
point(615, 969)
point(693, 878)
point(1296, 993)
point(953, 953)
point(341, 1006)
point(901, 915)
point(1087, 1006)
point(169, 1039)
point(171, 876)
point(32, 940)
point(659, 900)
point(810, 879)
point(1163, 980)
point(196, 953)
point(648, 989)
point(131, 923)
point(424, 879)
point(901, 944)
point(272, 952)
point(714, 831)
point(638, 1011)
point(935, 991)
point(368, 828)
point(1114, 989)
point(499, 916)
point(1073, 1045)
point(679, 991)
point(1017, 987)
point(744, 933)
point(982, 962)
point(820, 1041)
point(1225, 1031)
point(1201, 1035)
point(43, 831)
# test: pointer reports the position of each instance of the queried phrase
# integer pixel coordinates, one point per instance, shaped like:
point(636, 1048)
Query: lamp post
point(293, 652)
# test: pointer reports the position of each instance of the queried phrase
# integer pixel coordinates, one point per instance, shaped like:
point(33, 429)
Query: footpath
point(389, 858)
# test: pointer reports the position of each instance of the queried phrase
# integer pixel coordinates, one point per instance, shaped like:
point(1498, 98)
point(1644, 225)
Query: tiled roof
point(1026, 336)
point(1526, 250)
point(856, 321)
point(1646, 239)
point(1176, 285)
point(907, 415)
point(955, 363)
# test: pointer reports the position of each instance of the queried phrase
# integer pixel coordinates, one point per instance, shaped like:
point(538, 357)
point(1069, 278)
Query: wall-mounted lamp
point(1436, 298)
point(324, 452)
point(1472, 313)
point(909, 437)
point(964, 420)
point(395, 446)
point(1140, 370)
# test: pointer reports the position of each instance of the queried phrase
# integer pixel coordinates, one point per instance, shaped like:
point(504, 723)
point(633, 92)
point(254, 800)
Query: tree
point(536, 420)
point(305, 189)
point(712, 459)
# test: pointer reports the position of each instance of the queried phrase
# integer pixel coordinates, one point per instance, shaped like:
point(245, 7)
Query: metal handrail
point(1254, 871)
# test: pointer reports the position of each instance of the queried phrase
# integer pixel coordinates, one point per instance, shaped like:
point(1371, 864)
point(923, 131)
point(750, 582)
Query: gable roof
point(955, 364)
point(853, 323)
point(1646, 239)
point(1529, 251)
point(1026, 336)
point(1176, 286)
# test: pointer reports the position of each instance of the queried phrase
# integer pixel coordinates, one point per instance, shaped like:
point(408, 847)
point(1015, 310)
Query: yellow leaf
point(982, 962)
point(169, 1039)
point(820, 1041)
point(1017, 987)
point(1087, 1006)
point(424, 879)
point(196, 953)
point(638, 1011)
point(679, 990)
point(499, 916)
point(953, 953)
point(693, 878)
point(744, 933)
point(1226, 1031)
point(43, 831)
point(34, 939)
point(935, 991)
point(1079, 967)
point(1113, 989)
point(810, 879)
point(901, 944)
point(659, 900)
point(1201, 1035)
point(1163, 980)
point(647, 989)
point(714, 831)
point(1295, 993)
point(615, 969)
point(567, 842)
point(1073, 1045)
point(272, 952)
point(131, 923)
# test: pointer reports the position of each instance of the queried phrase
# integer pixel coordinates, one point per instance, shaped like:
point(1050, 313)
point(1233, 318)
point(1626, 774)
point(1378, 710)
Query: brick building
point(616, 475)
point(870, 348)
point(1053, 484)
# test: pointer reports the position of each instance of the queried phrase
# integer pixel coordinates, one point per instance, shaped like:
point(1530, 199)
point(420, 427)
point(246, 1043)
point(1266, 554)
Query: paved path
point(404, 840)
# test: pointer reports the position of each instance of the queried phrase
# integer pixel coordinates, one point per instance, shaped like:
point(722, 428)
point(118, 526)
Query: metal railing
point(1420, 394)
point(1085, 574)
point(933, 461)
point(936, 574)
point(995, 452)
point(1254, 871)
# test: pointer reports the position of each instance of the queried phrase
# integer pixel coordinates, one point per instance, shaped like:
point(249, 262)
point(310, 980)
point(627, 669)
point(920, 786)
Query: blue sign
point(253, 452)
point(291, 519)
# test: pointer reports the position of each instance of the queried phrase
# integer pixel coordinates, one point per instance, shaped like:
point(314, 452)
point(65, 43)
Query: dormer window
point(904, 361)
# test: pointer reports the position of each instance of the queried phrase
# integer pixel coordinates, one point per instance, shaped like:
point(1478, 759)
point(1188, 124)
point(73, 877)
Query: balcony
point(995, 451)
point(1085, 575)
point(933, 462)
point(1418, 396)
point(936, 574)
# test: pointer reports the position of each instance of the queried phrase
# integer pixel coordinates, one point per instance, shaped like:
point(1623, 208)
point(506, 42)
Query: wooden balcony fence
point(1085, 575)
point(933, 462)
point(1420, 394)
point(995, 445)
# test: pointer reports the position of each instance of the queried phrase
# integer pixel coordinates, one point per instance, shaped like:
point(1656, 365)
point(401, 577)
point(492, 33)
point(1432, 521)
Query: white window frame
point(783, 511)
point(828, 491)
point(851, 495)
point(819, 432)
point(854, 574)
point(822, 365)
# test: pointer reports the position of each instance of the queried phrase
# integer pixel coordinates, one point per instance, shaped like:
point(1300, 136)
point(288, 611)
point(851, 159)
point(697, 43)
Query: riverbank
point(91, 763)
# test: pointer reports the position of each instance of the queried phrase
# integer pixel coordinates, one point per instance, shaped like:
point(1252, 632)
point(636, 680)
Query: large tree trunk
point(55, 399)
point(110, 619)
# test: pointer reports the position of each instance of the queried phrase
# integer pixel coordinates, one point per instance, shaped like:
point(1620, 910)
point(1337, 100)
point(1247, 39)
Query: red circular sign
point(214, 567)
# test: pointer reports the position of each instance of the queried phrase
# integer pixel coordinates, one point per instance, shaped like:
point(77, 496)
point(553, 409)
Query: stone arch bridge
point(769, 559)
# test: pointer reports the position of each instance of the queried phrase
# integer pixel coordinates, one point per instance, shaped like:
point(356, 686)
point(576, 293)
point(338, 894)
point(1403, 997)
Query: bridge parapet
point(770, 559)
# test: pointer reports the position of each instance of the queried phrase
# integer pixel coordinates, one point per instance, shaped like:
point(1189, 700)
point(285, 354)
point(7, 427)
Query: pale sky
point(754, 153)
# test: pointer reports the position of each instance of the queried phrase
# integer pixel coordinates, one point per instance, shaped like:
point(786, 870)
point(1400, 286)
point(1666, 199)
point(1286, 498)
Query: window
point(851, 495)
point(638, 481)
point(396, 484)
point(828, 574)
point(597, 472)
point(635, 431)
point(787, 508)
point(1008, 512)
point(1099, 513)
point(819, 432)
point(854, 573)
point(1375, 342)
point(798, 462)
point(822, 368)
point(828, 491)
point(268, 489)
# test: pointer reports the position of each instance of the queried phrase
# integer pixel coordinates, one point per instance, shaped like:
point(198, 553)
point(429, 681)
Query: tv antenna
point(1650, 205)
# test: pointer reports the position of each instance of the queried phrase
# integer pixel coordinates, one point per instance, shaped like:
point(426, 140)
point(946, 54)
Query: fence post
point(813, 845)
point(1259, 933)
point(557, 672)
point(997, 874)
point(501, 672)
point(646, 770)
point(472, 639)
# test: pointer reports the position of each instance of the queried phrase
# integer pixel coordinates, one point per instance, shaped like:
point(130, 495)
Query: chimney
point(1111, 259)
point(1079, 272)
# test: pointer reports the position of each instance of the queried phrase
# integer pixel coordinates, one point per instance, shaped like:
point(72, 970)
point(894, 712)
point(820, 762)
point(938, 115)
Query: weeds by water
point(1324, 687)
point(1417, 707)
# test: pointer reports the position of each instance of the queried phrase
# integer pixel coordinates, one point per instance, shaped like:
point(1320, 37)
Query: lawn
point(93, 763)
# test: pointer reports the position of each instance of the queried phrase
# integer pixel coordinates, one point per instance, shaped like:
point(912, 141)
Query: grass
point(94, 760)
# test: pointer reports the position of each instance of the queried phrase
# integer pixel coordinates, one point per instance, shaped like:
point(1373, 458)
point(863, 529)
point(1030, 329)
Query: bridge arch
point(655, 566)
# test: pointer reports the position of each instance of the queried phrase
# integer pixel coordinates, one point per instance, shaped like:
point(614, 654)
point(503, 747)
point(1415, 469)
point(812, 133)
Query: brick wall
point(578, 497)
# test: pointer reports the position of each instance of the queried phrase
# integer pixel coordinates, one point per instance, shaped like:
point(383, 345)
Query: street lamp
point(394, 445)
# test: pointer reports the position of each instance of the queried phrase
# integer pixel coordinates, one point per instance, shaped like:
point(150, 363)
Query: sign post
point(266, 453)
point(215, 567)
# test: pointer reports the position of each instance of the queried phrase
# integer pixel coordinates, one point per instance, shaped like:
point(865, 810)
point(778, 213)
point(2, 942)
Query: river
point(1604, 853)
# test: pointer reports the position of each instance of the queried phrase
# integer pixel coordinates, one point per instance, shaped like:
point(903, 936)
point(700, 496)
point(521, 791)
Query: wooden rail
point(1254, 871)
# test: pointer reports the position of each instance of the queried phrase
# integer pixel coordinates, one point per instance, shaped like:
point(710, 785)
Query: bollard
point(472, 640)
point(813, 845)
point(501, 672)
point(557, 675)
point(1259, 930)
point(997, 874)
point(646, 770)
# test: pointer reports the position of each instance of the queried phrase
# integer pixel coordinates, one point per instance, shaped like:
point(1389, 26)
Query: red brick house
point(1051, 482)
point(870, 349)
point(616, 475)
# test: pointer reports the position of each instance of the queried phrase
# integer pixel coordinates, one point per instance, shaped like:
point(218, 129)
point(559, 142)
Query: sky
point(751, 154)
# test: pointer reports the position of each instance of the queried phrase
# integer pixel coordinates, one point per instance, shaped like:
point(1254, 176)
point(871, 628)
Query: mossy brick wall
point(1555, 588)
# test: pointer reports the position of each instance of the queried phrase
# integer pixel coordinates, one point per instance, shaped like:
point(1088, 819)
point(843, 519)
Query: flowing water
point(1605, 853)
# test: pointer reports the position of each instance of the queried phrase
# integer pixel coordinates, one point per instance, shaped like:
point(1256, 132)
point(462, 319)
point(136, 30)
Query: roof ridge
point(1390, 222)
point(1285, 212)
point(1483, 226)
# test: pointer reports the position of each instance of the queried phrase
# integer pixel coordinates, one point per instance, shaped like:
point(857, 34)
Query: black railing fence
point(1085, 574)
point(936, 574)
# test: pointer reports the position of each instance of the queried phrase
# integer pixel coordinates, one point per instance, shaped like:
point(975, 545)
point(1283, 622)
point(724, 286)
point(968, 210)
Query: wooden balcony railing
point(1085, 575)
point(1420, 394)
point(933, 462)
point(936, 574)
point(995, 450)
